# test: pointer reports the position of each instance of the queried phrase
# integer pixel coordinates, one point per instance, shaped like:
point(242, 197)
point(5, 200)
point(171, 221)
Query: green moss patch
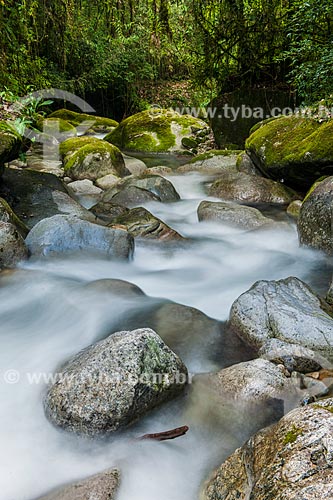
point(154, 131)
point(292, 435)
point(76, 119)
point(54, 126)
point(73, 144)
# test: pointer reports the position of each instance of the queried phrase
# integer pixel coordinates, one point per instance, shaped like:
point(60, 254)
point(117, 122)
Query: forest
point(119, 49)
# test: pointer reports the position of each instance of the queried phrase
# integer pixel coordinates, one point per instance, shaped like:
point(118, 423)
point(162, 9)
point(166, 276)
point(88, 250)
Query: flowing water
point(48, 313)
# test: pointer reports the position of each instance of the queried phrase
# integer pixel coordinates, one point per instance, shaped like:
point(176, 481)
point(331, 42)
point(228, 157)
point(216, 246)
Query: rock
point(12, 246)
point(84, 188)
point(245, 164)
point(251, 381)
point(10, 143)
point(294, 208)
point(296, 149)
point(92, 159)
point(56, 127)
point(140, 223)
point(291, 460)
point(212, 162)
point(35, 196)
point(293, 357)
point(160, 170)
point(237, 186)
point(157, 131)
point(232, 214)
point(102, 486)
point(67, 233)
point(286, 310)
point(95, 124)
point(138, 372)
point(134, 165)
point(315, 218)
point(107, 182)
point(144, 188)
point(108, 211)
point(115, 287)
point(8, 215)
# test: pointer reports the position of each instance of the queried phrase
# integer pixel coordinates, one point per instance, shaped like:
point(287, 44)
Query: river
point(48, 314)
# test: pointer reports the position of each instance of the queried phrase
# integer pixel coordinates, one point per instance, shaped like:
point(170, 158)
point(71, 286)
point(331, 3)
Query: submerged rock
point(232, 214)
point(140, 223)
point(102, 486)
point(67, 233)
point(296, 149)
point(286, 310)
point(144, 188)
point(237, 186)
point(12, 246)
point(291, 460)
point(315, 219)
point(158, 131)
point(114, 382)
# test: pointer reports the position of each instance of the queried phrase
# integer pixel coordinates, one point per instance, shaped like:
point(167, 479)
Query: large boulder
point(10, 143)
point(102, 486)
point(315, 219)
point(232, 214)
point(237, 186)
point(67, 233)
point(86, 123)
point(140, 223)
point(158, 131)
point(12, 246)
point(35, 196)
point(286, 310)
point(92, 158)
point(142, 189)
point(291, 460)
point(212, 162)
point(56, 127)
point(293, 148)
point(114, 382)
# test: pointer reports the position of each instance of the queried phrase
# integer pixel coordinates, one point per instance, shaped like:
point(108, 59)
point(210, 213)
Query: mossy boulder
point(9, 216)
point(296, 149)
point(91, 158)
point(315, 218)
point(56, 127)
point(141, 189)
point(140, 223)
point(12, 246)
point(158, 131)
point(98, 124)
point(237, 186)
point(10, 143)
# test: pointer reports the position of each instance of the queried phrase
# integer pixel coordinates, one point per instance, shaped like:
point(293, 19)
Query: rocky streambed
point(192, 272)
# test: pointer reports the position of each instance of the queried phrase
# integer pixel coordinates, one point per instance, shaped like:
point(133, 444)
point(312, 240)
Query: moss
point(262, 123)
point(8, 215)
point(77, 118)
point(313, 187)
point(214, 152)
point(152, 131)
point(10, 143)
point(327, 408)
point(292, 435)
point(75, 143)
point(93, 147)
point(53, 126)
